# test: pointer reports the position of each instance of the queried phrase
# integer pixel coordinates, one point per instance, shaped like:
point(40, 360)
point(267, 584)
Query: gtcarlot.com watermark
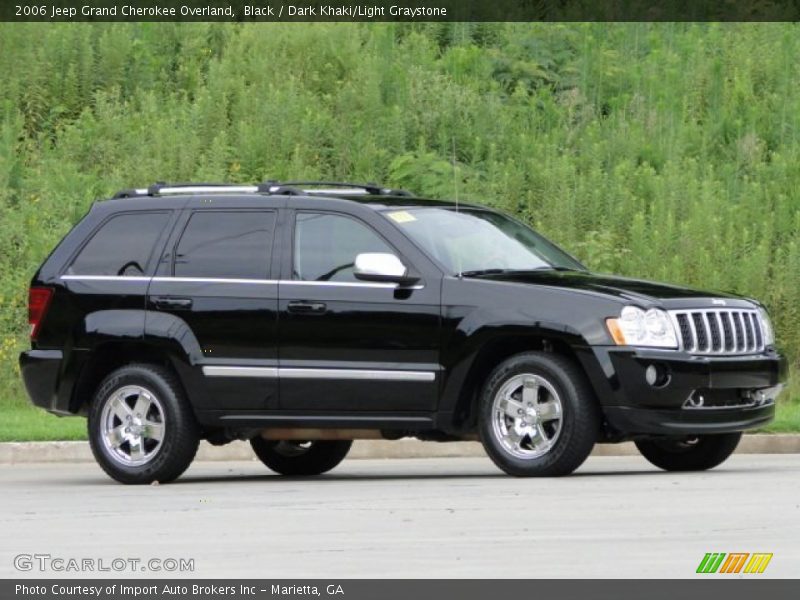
point(47, 563)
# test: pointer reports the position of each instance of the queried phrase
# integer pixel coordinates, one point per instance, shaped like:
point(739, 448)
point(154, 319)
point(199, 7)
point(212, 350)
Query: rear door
point(216, 278)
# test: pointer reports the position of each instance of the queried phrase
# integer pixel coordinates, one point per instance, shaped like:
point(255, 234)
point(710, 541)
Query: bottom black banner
point(389, 589)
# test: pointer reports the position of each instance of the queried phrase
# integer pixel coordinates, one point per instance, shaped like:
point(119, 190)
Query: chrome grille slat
point(712, 344)
point(718, 331)
point(759, 333)
point(748, 333)
point(684, 335)
point(701, 331)
point(727, 327)
point(737, 325)
point(751, 331)
point(693, 331)
point(718, 318)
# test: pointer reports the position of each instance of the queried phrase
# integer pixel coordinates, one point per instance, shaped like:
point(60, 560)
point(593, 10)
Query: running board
point(328, 422)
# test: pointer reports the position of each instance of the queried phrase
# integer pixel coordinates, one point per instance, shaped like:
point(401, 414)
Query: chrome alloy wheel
point(526, 416)
point(132, 425)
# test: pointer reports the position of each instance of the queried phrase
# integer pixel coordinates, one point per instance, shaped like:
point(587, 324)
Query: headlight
point(637, 327)
point(766, 327)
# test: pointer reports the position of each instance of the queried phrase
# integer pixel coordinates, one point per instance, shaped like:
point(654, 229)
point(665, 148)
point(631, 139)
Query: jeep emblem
point(718, 302)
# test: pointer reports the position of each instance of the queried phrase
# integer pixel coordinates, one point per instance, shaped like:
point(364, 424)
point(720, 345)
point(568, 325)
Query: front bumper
point(700, 395)
point(41, 371)
point(648, 421)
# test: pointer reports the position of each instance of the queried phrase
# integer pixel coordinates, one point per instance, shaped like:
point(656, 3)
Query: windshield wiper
point(548, 268)
point(479, 272)
point(498, 271)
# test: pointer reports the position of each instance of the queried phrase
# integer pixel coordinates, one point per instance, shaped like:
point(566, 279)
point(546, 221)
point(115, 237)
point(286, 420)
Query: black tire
point(180, 435)
point(693, 453)
point(300, 458)
point(580, 415)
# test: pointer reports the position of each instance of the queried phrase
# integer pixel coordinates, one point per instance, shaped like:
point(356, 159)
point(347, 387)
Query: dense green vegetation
point(666, 151)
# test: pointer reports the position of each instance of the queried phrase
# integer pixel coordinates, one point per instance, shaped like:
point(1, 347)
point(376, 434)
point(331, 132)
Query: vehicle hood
point(623, 288)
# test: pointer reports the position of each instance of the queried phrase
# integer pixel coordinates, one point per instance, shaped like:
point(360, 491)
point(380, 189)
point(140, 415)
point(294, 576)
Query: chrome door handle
point(171, 302)
point(303, 307)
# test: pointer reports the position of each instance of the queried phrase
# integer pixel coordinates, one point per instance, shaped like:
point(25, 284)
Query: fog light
point(656, 375)
point(696, 400)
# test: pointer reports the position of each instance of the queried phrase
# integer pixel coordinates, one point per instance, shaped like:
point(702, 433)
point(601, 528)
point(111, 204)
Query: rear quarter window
point(123, 245)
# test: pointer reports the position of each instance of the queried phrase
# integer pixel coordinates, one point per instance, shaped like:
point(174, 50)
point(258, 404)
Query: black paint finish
point(453, 328)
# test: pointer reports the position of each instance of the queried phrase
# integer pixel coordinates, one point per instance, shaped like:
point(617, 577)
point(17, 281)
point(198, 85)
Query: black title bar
point(399, 10)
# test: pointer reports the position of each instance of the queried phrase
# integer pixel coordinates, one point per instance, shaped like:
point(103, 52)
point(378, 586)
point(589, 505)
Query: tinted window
point(475, 240)
point(229, 245)
point(122, 246)
point(326, 245)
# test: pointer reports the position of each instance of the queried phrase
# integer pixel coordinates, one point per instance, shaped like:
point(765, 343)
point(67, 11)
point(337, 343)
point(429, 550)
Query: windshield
point(471, 241)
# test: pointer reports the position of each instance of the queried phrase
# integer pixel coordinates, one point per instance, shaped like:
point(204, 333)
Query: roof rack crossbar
point(278, 189)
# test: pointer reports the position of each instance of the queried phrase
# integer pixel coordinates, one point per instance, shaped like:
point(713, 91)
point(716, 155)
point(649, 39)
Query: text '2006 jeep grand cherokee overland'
point(302, 316)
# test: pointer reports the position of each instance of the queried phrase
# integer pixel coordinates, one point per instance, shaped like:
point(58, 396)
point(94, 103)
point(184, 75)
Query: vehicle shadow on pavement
point(332, 478)
point(100, 478)
point(377, 477)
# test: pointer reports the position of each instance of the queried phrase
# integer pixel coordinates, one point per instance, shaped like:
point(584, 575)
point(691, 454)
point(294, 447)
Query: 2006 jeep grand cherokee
point(302, 316)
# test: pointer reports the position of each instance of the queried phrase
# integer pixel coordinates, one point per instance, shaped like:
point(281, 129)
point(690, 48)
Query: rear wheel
point(539, 417)
point(289, 457)
point(689, 453)
point(141, 428)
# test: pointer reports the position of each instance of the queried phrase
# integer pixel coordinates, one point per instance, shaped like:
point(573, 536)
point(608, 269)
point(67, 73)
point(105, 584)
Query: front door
point(345, 344)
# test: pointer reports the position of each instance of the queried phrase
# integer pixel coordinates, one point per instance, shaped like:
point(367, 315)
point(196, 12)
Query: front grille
point(719, 331)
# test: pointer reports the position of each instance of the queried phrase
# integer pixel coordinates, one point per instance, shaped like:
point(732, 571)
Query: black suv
point(302, 316)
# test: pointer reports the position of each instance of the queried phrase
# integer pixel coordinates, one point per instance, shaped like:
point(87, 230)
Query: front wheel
point(691, 453)
point(300, 458)
point(538, 415)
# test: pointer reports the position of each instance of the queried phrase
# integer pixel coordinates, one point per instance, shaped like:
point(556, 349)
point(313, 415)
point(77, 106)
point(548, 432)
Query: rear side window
point(226, 245)
point(123, 245)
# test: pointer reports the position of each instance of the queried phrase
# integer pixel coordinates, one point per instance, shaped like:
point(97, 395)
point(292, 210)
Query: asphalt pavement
point(438, 517)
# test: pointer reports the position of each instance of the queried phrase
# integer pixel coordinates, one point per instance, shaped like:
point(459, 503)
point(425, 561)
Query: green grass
point(30, 424)
point(667, 151)
point(787, 417)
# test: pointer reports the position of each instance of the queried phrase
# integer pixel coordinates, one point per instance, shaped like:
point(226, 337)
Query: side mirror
point(383, 267)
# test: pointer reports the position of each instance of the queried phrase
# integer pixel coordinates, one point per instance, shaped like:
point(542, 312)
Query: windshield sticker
point(402, 216)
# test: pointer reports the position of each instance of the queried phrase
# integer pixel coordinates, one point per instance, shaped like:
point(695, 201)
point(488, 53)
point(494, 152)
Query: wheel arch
point(108, 356)
point(494, 351)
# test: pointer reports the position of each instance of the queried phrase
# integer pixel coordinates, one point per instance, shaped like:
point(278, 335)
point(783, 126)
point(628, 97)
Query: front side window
point(326, 246)
point(473, 240)
point(123, 246)
point(226, 245)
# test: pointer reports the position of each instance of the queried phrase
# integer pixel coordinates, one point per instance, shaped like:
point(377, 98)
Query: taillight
point(38, 302)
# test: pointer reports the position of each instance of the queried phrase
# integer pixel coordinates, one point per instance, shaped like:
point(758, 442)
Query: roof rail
point(268, 187)
point(162, 189)
point(368, 188)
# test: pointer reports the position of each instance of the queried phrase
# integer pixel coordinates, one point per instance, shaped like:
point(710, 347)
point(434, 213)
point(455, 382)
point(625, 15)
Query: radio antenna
point(455, 189)
point(455, 171)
